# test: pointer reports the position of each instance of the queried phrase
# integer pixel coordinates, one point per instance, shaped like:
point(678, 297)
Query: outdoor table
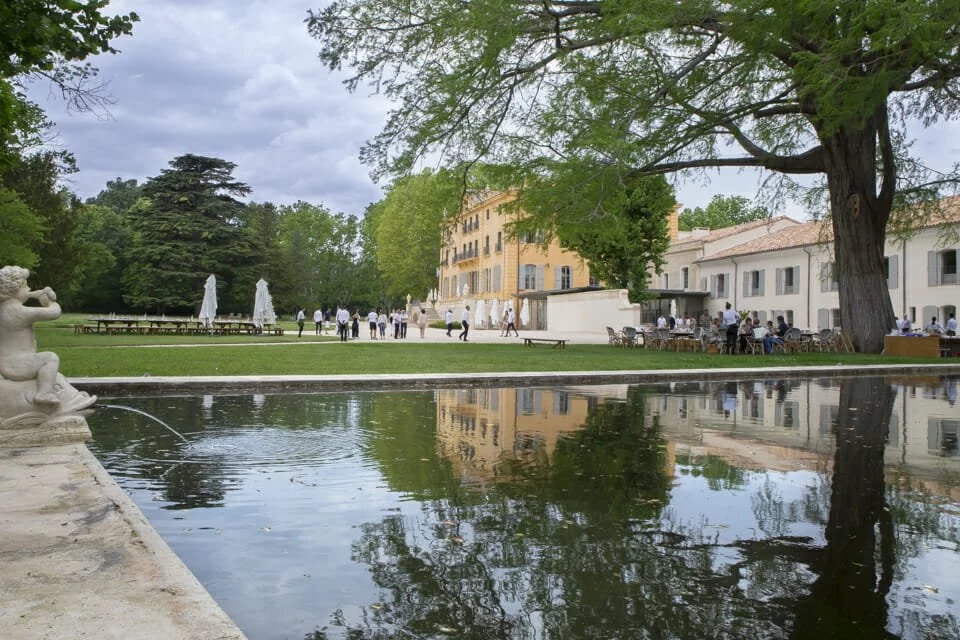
point(236, 326)
point(114, 325)
point(178, 325)
point(682, 340)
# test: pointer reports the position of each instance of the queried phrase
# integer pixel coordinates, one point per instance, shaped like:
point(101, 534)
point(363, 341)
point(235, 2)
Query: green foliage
point(104, 235)
point(723, 211)
point(35, 178)
point(37, 34)
point(407, 227)
point(660, 86)
point(616, 222)
point(20, 229)
point(186, 227)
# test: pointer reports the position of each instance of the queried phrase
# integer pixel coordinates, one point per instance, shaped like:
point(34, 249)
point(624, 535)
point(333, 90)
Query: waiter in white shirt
point(730, 320)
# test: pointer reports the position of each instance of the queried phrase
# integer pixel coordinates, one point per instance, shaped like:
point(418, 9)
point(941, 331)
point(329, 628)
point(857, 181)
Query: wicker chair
point(613, 338)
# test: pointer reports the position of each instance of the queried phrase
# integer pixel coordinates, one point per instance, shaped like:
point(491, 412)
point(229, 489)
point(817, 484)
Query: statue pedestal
point(54, 431)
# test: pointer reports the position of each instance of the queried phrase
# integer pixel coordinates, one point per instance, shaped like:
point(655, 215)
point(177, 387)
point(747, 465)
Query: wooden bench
point(557, 344)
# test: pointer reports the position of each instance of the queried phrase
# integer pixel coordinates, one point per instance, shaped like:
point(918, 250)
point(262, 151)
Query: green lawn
point(101, 355)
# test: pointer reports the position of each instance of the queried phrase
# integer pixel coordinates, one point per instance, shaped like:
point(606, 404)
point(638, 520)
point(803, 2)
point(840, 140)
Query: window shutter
point(893, 272)
point(762, 276)
point(520, 278)
point(779, 277)
point(825, 277)
point(496, 278)
point(713, 287)
point(558, 283)
point(823, 318)
point(796, 279)
point(746, 284)
point(933, 268)
point(539, 277)
point(727, 284)
point(703, 284)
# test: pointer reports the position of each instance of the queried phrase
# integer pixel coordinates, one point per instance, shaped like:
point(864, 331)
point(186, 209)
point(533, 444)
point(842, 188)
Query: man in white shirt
point(661, 322)
point(372, 320)
point(511, 323)
point(905, 325)
point(730, 320)
point(951, 328)
point(465, 321)
point(318, 320)
point(449, 321)
point(343, 323)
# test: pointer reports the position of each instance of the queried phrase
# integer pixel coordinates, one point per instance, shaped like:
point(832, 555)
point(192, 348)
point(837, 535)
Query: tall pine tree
point(186, 227)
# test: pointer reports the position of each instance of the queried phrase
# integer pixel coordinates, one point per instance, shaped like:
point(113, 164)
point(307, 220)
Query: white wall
point(591, 311)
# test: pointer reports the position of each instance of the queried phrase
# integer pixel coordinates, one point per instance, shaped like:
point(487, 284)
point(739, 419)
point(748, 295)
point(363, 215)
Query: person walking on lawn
point(465, 321)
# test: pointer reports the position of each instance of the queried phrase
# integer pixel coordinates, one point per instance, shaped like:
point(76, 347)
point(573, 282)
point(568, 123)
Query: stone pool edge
point(81, 559)
point(374, 382)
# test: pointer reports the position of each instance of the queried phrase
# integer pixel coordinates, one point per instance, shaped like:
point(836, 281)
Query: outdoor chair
point(792, 340)
point(755, 341)
point(628, 337)
point(613, 338)
point(661, 339)
point(826, 341)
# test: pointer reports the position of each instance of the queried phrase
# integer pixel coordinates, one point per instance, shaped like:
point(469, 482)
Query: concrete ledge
point(81, 561)
point(173, 385)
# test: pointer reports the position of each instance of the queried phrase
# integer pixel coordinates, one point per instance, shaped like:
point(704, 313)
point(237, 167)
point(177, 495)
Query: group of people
point(738, 334)
point(347, 324)
point(507, 323)
point(934, 328)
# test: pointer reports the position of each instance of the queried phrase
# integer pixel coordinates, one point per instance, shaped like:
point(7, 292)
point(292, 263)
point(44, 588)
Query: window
point(593, 281)
point(488, 214)
point(719, 285)
point(666, 281)
point(753, 283)
point(565, 277)
point(561, 403)
point(942, 267)
point(499, 246)
point(829, 277)
point(684, 277)
point(943, 437)
point(528, 276)
point(891, 271)
point(787, 415)
point(486, 244)
point(788, 281)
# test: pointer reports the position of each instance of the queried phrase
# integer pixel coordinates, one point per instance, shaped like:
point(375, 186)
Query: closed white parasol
point(494, 313)
point(208, 310)
point(525, 313)
point(480, 315)
point(263, 306)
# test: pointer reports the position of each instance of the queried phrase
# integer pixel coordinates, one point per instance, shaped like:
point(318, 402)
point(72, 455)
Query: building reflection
point(779, 425)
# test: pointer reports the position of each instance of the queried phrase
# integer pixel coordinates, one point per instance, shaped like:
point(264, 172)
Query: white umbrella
point(464, 291)
point(494, 317)
point(263, 305)
point(208, 310)
point(673, 308)
point(480, 314)
point(524, 313)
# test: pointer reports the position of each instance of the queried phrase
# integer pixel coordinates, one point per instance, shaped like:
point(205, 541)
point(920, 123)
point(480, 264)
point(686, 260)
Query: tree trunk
point(848, 599)
point(859, 218)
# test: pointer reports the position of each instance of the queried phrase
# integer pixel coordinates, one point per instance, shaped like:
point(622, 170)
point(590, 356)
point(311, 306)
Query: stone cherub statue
point(32, 391)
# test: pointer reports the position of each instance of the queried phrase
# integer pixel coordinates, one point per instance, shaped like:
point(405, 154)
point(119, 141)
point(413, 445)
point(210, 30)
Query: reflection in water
point(767, 509)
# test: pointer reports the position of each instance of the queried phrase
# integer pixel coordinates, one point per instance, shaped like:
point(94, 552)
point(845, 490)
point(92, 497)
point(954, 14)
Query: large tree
point(807, 87)
point(186, 226)
point(408, 230)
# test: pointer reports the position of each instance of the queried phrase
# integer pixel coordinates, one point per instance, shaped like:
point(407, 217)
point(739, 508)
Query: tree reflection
point(848, 599)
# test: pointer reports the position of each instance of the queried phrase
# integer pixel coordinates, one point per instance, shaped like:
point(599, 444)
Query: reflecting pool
point(764, 509)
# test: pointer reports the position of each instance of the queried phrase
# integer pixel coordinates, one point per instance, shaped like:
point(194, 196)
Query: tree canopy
point(657, 86)
point(723, 211)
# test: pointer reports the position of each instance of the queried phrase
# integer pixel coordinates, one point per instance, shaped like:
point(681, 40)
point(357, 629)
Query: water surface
point(767, 509)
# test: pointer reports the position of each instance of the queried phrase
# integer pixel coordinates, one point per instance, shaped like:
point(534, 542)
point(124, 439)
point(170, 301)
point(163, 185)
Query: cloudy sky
point(240, 80)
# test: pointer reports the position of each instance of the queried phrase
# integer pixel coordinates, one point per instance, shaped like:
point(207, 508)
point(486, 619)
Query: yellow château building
point(478, 262)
